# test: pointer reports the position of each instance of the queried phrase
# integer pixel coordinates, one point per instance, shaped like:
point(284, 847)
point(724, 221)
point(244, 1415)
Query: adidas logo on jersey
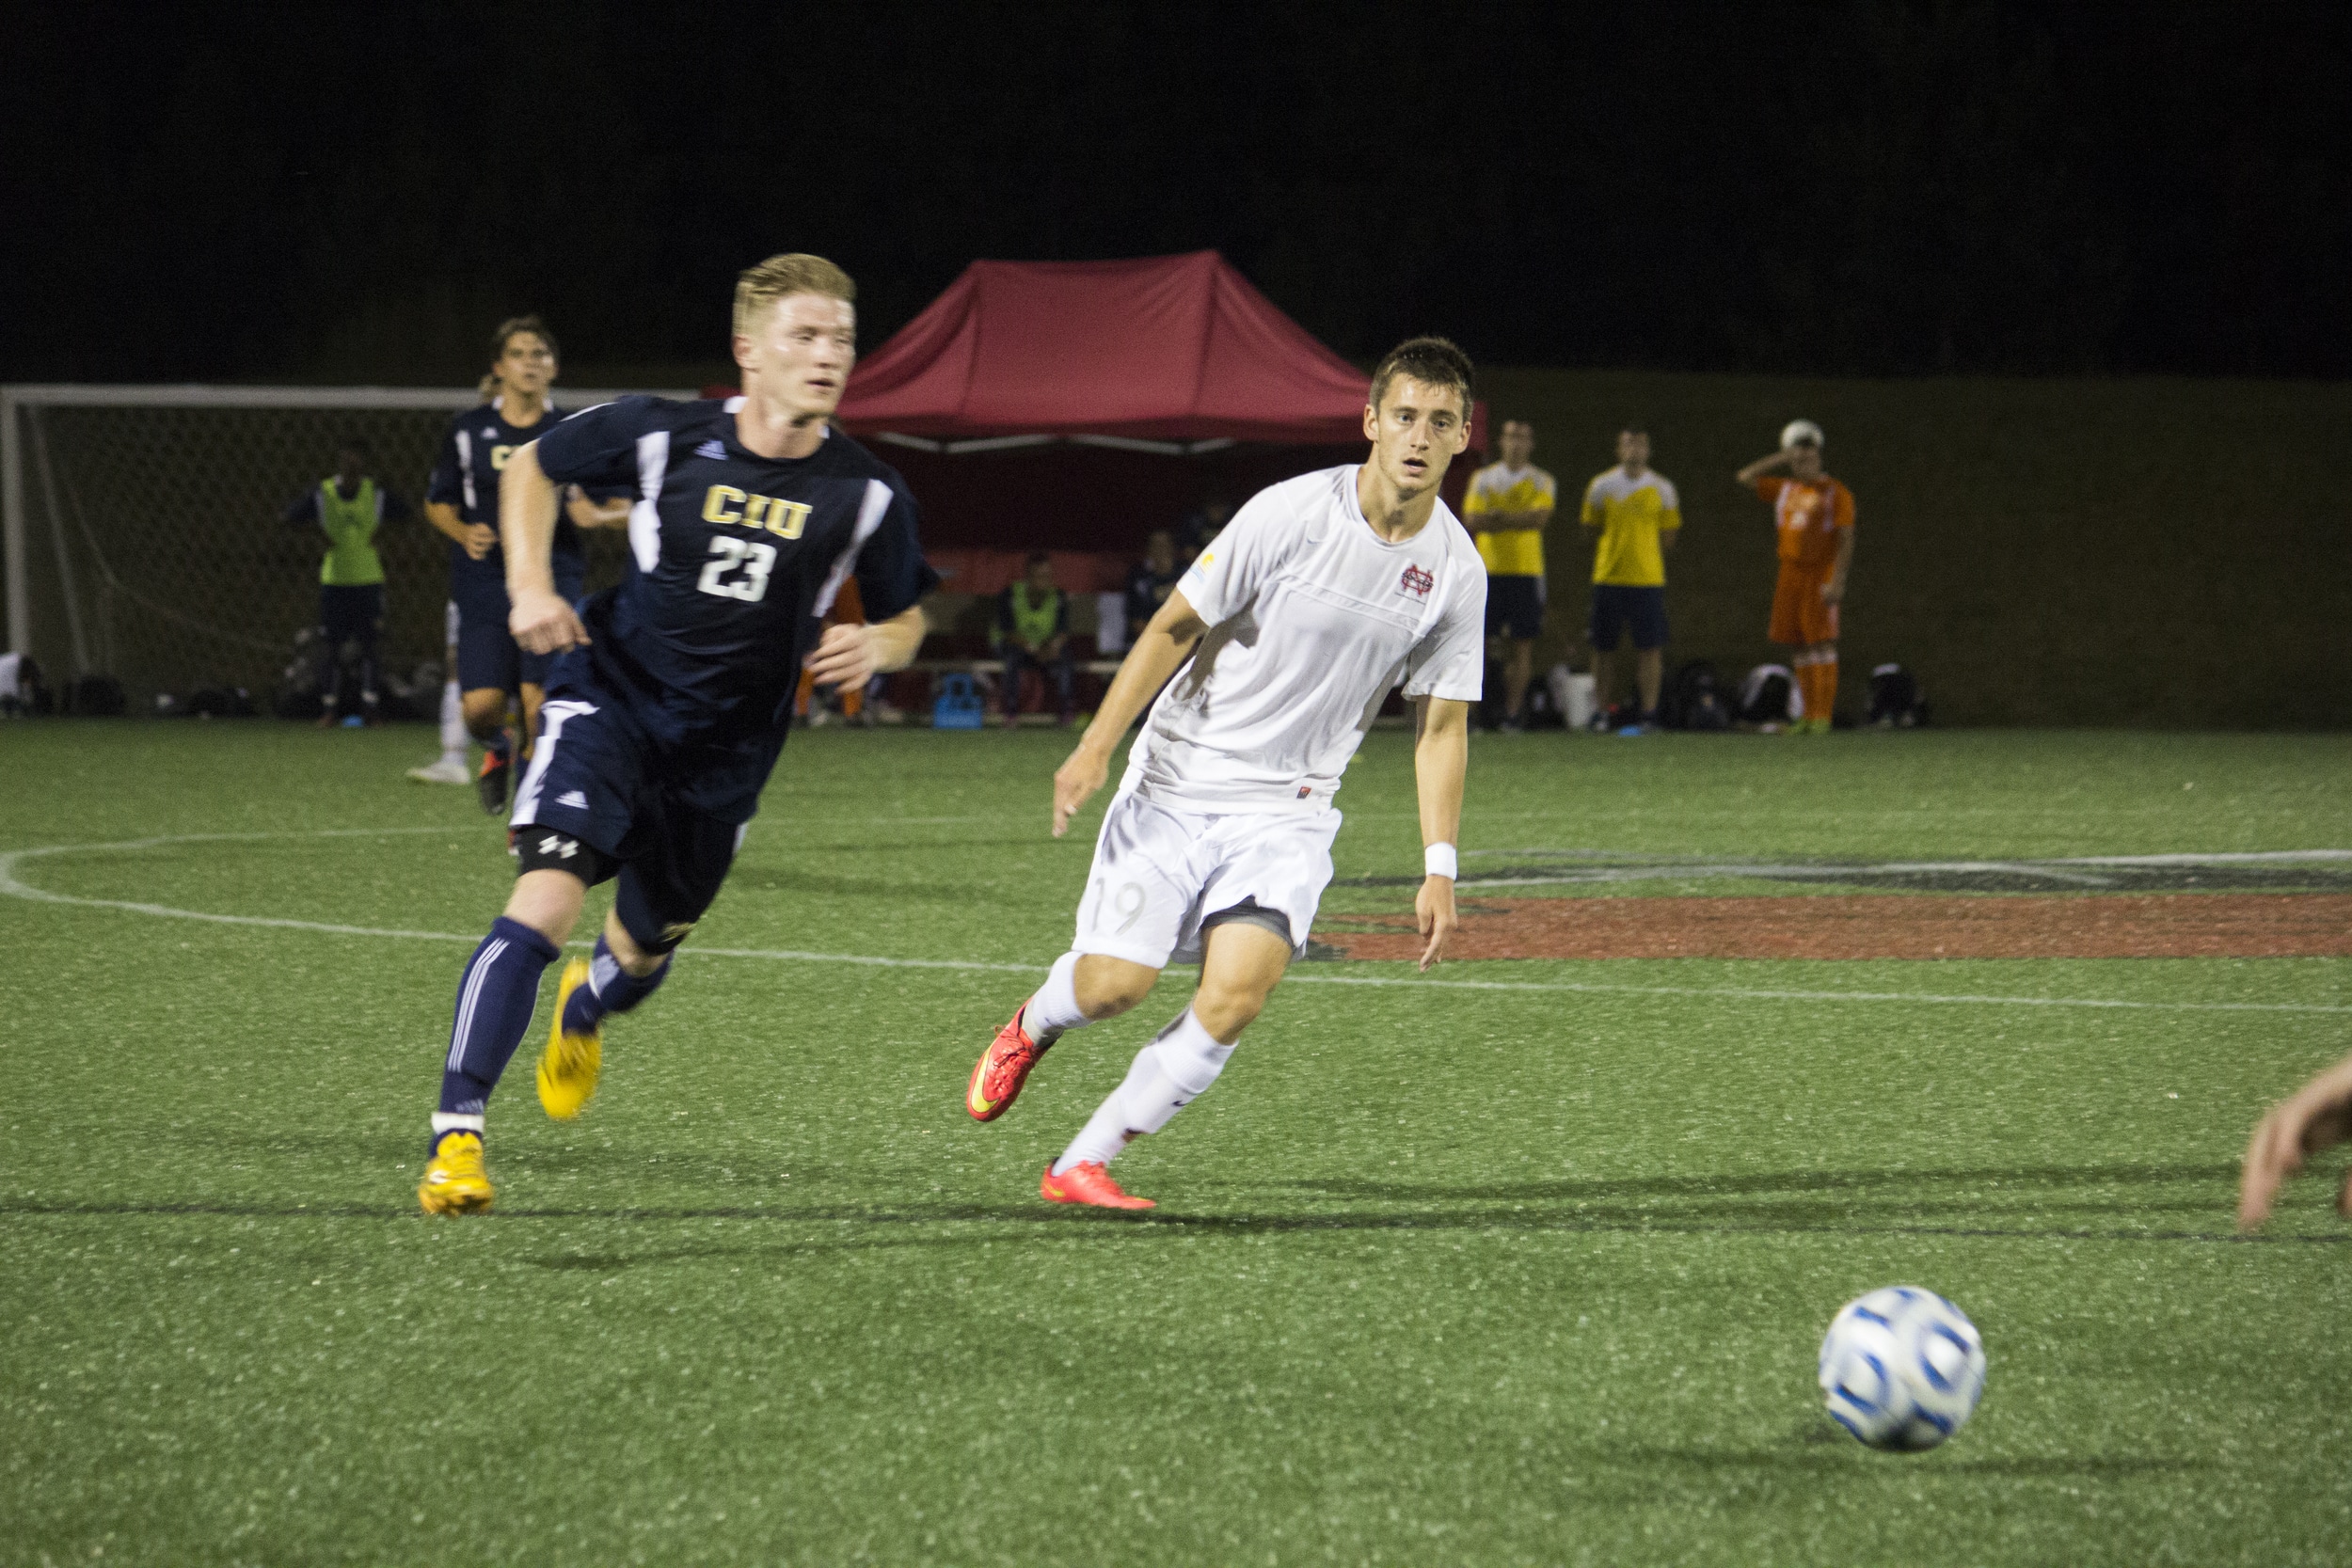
point(713, 448)
point(1416, 582)
point(573, 799)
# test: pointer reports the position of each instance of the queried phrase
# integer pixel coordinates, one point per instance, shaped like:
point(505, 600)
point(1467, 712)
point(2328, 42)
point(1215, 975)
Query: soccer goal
point(142, 534)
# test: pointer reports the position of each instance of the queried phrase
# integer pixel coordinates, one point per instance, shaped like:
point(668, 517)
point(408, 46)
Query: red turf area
point(1883, 926)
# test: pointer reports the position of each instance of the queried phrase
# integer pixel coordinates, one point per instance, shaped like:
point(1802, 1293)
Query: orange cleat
point(1090, 1184)
point(498, 773)
point(1003, 1068)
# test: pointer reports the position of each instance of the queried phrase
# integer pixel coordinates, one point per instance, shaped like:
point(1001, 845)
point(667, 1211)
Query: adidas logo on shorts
point(573, 799)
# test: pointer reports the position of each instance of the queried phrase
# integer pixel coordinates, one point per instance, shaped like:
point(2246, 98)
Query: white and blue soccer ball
point(1901, 1368)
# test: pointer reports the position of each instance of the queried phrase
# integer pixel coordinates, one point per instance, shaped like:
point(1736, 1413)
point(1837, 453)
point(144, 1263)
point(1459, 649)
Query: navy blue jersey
point(466, 475)
point(737, 558)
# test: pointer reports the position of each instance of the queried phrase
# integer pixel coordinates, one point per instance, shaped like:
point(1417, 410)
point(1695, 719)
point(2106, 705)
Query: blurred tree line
point(1877, 188)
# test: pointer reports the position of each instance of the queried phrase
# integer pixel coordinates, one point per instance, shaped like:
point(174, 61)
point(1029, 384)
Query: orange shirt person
point(1815, 516)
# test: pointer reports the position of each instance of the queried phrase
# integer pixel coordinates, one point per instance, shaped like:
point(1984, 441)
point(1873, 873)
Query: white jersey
point(1313, 619)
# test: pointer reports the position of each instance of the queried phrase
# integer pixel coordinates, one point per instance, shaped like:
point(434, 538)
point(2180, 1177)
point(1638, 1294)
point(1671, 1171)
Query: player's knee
point(1225, 1007)
point(639, 962)
point(484, 710)
point(549, 902)
point(1108, 987)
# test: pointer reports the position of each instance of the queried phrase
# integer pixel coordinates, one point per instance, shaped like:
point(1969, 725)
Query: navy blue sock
point(495, 1001)
point(610, 988)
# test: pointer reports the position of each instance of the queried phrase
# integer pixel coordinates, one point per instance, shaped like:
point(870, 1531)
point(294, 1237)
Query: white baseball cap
point(1798, 432)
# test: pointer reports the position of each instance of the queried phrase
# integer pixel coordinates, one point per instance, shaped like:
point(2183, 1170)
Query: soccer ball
point(1901, 1368)
point(1800, 430)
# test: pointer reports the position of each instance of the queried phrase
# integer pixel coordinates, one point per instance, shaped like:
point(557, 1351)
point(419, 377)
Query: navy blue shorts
point(1616, 608)
point(596, 777)
point(487, 655)
point(1514, 607)
point(346, 611)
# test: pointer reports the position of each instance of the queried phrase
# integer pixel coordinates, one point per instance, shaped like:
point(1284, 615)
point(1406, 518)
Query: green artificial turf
point(1469, 1275)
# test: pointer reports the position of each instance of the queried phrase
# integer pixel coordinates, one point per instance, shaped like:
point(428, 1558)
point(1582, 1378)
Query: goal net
point(143, 538)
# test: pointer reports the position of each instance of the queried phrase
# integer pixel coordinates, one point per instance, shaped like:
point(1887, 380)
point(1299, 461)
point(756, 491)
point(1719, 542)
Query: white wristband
point(1438, 859)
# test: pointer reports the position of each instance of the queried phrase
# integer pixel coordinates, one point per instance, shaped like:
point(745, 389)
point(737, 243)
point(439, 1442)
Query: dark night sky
point(357, 193)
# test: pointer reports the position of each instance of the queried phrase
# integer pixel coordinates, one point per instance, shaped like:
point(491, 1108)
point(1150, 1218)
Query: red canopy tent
point(1171, 349)
point(1077, 406)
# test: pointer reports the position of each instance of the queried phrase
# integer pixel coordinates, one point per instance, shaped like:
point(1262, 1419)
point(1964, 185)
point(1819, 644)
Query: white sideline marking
point(11, 886)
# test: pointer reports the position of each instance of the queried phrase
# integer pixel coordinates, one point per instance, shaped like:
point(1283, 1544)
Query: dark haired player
point(665, 715)
point(462, 502)
point(1324, 593)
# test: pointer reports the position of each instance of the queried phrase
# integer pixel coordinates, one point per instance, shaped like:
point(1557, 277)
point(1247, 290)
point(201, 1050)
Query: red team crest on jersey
point(1416, 582)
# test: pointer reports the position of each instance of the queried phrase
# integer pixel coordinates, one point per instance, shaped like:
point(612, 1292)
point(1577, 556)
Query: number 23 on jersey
point(757, 560)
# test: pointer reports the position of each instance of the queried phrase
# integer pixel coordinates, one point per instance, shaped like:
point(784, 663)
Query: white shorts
point(1160, 874)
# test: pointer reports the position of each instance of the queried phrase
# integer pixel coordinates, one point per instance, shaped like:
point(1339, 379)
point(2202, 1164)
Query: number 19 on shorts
point(1116, 911)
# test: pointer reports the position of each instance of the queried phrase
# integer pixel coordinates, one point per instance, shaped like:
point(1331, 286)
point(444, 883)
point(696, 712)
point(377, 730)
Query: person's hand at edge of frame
point(542, 622)
point(2315, 1117)
point(1433, 912)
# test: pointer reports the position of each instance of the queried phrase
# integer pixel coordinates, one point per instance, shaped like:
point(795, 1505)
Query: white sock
point(452, 1121)
point(453, 722)
point(1176, 1069)
point(1053, 1012)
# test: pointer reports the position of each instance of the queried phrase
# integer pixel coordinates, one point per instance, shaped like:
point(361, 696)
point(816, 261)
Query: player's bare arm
point(1440, 762)
point(1776, 463)
point(475, 539)
point(540, 619)
point(2316, 1116)
point(1511, 520)
point(585, 513)
point(852, 655)
point(1834, 591)
point(1165, 644)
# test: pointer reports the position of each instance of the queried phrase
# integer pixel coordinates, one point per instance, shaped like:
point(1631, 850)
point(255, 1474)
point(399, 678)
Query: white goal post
point(139, 533)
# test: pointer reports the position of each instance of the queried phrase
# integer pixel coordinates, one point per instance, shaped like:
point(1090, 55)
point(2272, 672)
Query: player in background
point(1507, 509)
point(451, 768)
point(2316, 1116)
point(1815, 516)
point(1326, 593)
point(673, 694)
point(1031, 631)
point(348, 507)
point(1638, 516)
point(462, 502)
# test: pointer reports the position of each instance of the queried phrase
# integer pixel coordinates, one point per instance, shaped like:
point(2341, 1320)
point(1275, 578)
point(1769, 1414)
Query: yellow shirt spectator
point(1509, 552)
point(1631, 514)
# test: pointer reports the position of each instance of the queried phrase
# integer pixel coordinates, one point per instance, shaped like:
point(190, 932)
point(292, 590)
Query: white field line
point(13, 886)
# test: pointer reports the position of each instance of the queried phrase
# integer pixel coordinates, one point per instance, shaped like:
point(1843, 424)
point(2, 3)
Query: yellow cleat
point(455, 1181)
point(569, 1065)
